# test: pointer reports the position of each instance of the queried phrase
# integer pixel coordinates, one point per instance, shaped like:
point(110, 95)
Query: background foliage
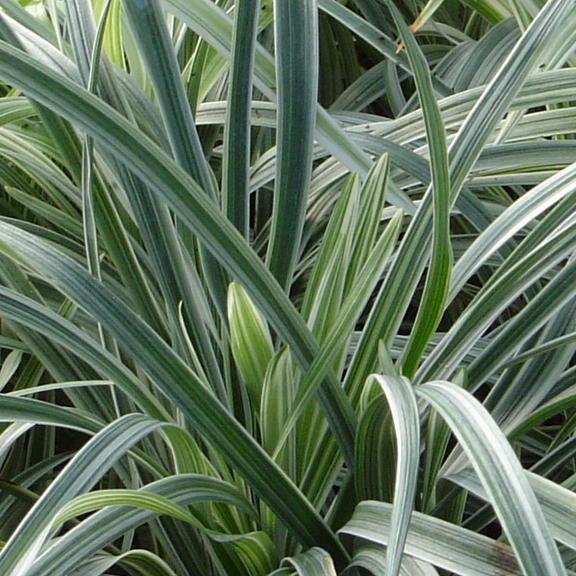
point(287, 287)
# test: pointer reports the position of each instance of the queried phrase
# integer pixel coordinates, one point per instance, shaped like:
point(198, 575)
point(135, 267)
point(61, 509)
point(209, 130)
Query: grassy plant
point(287, 287)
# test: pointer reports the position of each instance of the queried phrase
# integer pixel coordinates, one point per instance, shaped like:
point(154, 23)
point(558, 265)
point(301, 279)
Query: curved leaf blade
point(501, 474)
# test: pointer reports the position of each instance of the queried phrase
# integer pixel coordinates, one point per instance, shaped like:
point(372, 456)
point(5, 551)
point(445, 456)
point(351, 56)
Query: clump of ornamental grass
point(287, 287)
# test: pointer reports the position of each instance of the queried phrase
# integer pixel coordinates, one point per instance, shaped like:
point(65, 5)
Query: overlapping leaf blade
point(501, 474)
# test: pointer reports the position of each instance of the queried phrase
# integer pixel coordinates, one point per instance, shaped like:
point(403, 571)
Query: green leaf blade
point(296, 29)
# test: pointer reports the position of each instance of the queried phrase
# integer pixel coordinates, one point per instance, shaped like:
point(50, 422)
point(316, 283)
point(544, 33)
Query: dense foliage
point(287, 286)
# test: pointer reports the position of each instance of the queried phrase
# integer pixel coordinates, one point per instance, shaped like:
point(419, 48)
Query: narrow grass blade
point(558, 503)
point(404, 410)
point(39, 412)
point(437, 542)
point(374, 559)
point(93, 501)
point(313, 562)
point(113, 40)
point(141, 562)
point(236, 159)
point(9, 367)
point(501, 475)
point(296, 47)
point(250, 341)
point(433, 300)
point(155, 47)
